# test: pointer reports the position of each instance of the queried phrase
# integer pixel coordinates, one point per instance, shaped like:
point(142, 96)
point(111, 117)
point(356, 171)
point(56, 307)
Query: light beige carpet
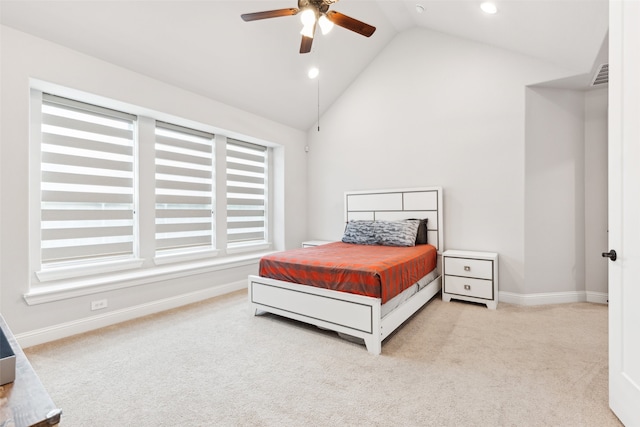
point(452, 364)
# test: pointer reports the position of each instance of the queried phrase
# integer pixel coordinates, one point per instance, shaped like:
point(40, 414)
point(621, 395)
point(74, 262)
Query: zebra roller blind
point(184, 189)
point(246, 193)
point(87, 182)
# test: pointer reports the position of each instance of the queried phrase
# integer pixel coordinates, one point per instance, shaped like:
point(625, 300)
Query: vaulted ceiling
point(204, 46)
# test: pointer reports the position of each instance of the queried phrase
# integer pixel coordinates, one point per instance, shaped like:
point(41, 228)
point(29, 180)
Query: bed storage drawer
point(348, 314)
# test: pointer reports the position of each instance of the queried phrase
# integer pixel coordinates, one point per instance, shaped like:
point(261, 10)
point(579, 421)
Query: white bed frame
point(352, 314)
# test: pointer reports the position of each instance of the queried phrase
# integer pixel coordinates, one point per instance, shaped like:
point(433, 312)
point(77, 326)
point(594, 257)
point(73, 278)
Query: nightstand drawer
point(466, 286)
point(476, 268)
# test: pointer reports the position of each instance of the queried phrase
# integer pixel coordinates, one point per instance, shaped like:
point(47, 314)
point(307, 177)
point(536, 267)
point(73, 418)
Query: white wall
point(25, 57)
point(433, 109)
point(566, 194)
point(554, 191)
point(596, 192)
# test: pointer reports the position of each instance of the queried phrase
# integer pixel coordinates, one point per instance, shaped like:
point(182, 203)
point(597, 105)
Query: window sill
point(70, 272)
point(250, 247)
point(68, 289)
point(173, 258)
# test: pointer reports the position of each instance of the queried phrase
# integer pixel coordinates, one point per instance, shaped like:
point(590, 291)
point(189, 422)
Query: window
point(246, 193)
point(113, 192)
point(87, 206)
point(184, 190)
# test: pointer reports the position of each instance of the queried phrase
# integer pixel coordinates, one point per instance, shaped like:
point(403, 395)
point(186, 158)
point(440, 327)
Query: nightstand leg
point(493, 305)
point(446, 298)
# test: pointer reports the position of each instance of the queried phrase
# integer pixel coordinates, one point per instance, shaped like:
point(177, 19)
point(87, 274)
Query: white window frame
point(72, 269)
point(145, 268)
point(197, 252)
point(265, 243)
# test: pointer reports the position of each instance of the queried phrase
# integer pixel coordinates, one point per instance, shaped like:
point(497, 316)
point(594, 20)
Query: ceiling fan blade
point(350, 23)
point(269, 14)
point(305, 44)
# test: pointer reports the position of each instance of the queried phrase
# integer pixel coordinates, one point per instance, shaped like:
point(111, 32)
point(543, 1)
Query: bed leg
point(374, 346)
point(253, 310)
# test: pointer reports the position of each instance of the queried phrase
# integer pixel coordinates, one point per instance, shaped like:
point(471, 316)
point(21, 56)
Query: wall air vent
point(602, 76)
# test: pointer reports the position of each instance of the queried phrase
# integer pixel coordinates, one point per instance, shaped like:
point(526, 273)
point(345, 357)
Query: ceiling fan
point(314, 12)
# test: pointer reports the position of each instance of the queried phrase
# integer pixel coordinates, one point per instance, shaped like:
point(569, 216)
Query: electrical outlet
point(98, 304)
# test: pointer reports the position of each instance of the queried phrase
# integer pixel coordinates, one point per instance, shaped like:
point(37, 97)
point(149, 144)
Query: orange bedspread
point(376, 271)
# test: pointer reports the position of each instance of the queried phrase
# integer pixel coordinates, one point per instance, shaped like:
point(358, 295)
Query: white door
point(624, 210)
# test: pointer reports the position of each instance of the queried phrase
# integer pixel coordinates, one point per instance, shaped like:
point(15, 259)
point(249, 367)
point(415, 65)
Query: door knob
point(612, 255)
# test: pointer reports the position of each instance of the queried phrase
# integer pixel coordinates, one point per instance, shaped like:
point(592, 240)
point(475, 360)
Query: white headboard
point(394, 205)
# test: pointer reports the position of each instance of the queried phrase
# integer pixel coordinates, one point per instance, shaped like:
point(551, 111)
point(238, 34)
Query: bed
point(359, 309)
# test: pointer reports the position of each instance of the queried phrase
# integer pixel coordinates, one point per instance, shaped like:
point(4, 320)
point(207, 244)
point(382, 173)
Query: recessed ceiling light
point(488, 7)
point(313, 72)
point(419, 8)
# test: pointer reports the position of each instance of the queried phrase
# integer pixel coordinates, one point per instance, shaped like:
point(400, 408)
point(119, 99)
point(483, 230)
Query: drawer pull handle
point(467, 268)
point(467, 287)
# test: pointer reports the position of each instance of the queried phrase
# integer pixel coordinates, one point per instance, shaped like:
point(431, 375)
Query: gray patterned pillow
point(360, 232)
point(397, 233)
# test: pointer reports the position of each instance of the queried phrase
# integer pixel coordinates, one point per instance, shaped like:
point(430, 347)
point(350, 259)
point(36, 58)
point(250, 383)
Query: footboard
point(351, 314)
point(355, 315)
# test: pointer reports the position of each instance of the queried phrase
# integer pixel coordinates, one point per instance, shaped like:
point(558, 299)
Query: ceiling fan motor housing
point(321, 5)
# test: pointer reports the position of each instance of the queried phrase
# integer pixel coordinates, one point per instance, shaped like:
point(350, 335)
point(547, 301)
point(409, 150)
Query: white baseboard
point(63, 330)
point(598, 297)
point(553, 298)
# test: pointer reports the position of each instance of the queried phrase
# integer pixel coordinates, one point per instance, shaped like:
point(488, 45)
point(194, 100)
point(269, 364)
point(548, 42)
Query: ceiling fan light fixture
point(489, 8)
point(308, 17)
point(307, 31)
point(313, 72)
point(325, 24)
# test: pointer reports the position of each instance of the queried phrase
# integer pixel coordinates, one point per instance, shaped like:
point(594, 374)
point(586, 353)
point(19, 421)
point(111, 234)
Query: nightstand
point(471, 276)
point(310, 243)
